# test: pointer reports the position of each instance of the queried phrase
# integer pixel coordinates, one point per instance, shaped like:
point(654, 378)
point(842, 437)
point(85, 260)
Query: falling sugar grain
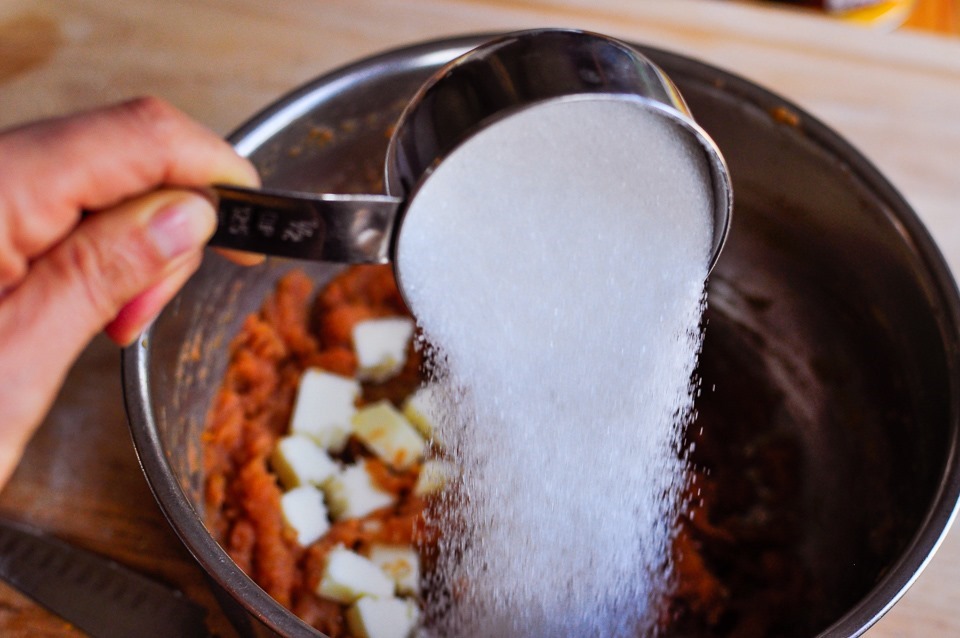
point(556, 263)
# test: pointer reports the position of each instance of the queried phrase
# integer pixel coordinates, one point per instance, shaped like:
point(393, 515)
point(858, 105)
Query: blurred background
point(930, 15)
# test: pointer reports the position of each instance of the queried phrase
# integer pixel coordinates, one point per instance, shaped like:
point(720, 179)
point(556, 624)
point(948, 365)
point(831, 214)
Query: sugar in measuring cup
point(516, 75)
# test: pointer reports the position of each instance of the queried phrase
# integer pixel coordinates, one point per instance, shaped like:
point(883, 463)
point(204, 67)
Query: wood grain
point(895, 96)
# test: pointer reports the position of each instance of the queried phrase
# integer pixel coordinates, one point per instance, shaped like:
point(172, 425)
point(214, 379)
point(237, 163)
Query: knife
point(95, 594)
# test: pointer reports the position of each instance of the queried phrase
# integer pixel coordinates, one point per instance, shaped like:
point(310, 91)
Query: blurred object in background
point(942, 16)
point(889, 14)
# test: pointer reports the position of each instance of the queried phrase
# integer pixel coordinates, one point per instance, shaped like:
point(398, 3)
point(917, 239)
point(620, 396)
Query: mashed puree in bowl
point(738, 570)
point(291, 333)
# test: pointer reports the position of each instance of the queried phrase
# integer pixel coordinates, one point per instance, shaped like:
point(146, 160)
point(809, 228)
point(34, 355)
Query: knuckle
point(105, 277)
point(13, 269)
point(154, 117)
point(81, 262)
point(151, 109)
point(13, 260)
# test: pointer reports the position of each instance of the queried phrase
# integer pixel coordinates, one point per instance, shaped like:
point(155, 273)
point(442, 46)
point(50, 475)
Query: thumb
point(76, 288)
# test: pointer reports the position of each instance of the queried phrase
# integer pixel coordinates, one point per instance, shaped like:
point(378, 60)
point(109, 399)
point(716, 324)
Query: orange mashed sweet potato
point(720, 586)
point(293, 332)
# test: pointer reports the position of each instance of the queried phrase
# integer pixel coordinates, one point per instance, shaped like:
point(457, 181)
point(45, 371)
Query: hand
point(99, 228)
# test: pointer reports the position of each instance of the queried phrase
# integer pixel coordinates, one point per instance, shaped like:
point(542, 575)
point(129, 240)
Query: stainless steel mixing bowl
point(833, 322)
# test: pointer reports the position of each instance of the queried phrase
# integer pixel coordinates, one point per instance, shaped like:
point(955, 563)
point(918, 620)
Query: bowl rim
point(272, 119)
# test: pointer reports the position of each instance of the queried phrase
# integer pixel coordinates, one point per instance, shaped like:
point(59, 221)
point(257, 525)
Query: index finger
point(100, 158)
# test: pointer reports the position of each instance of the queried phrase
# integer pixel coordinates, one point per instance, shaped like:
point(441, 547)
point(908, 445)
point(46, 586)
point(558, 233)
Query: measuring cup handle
point(349, 229)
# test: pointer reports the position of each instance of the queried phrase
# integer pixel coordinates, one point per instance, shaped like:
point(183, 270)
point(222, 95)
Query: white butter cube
point(324, 408)
point(421, 410)
point(388, 434)
point(434, 476)
point(381, 346)
point(383, 618)
point(298, 460)
point(304, 511)
point(401, 563)
point(353, 494)
point(347, 576)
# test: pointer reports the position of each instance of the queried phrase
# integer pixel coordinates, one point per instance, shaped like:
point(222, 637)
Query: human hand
point(99, 228)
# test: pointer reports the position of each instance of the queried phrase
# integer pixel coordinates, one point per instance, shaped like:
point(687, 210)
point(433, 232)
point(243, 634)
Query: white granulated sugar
point(556, 262)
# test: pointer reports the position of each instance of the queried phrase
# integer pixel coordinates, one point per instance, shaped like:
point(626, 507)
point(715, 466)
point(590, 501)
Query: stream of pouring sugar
point(556, 262)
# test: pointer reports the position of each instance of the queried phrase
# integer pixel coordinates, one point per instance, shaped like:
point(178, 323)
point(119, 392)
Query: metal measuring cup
point(493, 81)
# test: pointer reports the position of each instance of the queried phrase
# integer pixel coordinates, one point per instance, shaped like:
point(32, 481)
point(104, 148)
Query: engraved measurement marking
point(298, 230)
point(240, 221)
point(267, 223)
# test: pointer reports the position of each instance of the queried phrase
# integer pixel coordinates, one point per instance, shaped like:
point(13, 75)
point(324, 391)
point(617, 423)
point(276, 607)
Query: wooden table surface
point(894, 95)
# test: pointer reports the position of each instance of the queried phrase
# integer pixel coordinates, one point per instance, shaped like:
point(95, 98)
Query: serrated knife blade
point(95, 594)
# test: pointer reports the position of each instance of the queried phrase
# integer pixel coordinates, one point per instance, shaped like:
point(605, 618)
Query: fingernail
point(182, 226)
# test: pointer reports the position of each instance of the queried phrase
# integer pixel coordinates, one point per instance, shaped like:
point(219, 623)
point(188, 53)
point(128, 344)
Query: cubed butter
point(388, 434)
point(304, 511)
point(352, 493)
point(347, 576)
point(298, 460)
point(381, 346)
point(401, 563)
point(420, 408)
point(324, 406)
point(383, 618)
point(434, 476)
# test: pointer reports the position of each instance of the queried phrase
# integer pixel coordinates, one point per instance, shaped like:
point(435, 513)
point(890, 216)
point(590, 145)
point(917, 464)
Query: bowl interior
point(827, 371)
